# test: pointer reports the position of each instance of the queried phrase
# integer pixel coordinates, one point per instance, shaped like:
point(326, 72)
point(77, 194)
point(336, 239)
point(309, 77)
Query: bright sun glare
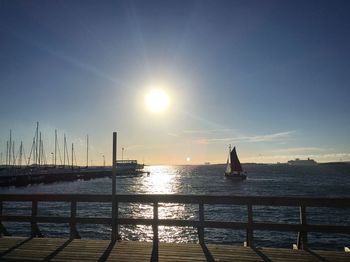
point(157, 101)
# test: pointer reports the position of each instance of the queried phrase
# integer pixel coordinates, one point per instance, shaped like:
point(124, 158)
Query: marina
point(23, 176)
point(18, 170)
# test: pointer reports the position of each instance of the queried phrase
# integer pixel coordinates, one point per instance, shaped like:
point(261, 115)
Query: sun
point(157, 101)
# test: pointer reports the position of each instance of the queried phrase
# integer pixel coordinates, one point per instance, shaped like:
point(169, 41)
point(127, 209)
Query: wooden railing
point(303, 227)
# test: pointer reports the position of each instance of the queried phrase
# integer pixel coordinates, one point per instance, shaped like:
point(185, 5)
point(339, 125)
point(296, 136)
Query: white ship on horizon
point(299, 162)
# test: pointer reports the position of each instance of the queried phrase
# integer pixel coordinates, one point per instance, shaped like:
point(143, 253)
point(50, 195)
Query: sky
point(269, 77)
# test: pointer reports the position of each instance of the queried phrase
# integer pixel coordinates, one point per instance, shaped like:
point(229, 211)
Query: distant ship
point(298, 162)
point(234, 168)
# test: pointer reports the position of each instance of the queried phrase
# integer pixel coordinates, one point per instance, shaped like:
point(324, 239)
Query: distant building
point(298, 162)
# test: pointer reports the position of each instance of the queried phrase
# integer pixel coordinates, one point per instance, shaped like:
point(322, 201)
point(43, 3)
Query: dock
point(37, 247)
point(23, 176)
point(55, 249)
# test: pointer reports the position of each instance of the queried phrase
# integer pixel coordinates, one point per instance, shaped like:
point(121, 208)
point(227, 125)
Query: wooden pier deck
point(56, 249)
point(37, 248)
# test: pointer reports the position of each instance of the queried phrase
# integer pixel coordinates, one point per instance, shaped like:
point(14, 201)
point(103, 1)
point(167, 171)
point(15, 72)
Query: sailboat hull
point(235, 176)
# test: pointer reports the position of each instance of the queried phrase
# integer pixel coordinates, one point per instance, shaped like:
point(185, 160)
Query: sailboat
point(234, 168)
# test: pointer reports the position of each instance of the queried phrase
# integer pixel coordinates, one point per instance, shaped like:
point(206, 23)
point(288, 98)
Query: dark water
point(263, 180)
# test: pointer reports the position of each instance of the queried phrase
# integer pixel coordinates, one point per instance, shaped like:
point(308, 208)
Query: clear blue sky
point(271, 77)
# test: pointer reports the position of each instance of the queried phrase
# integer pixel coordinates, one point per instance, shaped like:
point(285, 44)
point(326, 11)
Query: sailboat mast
point(39, 156)
point(32, 151)
point(55, 146)
point(13, 154)
point(10, 147)
point(37, 143)
point(64, 151)
point(7, 153)
point(20, 153)
point(87, 150)
point(72, 154)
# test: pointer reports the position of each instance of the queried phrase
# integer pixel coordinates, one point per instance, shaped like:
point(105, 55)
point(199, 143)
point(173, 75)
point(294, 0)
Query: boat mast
point(13, 154)
point(20, 153)
point(72, 154)
point(36, 143)
point(39, 153)
point(31, 151)
point(55, 146)
point(43, 157)
point(87, 150)
point(7, 152)
point(64, 151)
point(10, 146)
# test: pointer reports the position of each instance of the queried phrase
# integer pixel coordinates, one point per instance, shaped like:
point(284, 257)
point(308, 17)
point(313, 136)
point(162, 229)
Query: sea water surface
point(263, 180)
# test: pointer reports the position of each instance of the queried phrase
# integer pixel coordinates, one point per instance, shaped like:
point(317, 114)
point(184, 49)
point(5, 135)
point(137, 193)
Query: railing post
point(302, 235)
point(250, 236)
point(3, 230)
point(154, 257)
point(115, 233)
point(35, 231)
point(72, 224)
point(201, 224)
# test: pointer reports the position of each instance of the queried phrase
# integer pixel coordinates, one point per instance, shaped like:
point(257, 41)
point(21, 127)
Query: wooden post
point(35, 231)
point(72, 224)
point(115, 232)
point(3, 230)
point(201, 222)
point(250, 236)
point(302, 235)
point(155, 256)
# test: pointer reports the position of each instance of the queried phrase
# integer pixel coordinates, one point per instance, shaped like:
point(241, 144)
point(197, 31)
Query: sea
point(332, 180)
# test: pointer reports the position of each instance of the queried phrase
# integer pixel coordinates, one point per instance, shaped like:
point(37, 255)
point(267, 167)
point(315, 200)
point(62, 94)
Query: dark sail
point(235, 164)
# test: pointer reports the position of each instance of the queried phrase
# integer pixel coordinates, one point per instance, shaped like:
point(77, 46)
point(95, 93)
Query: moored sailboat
point(234, 168)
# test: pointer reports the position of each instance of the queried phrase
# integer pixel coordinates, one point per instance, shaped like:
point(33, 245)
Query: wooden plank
point(34, 248)
point(232, 253)
point(9, 242)
point(39, 249)
point(131, 251)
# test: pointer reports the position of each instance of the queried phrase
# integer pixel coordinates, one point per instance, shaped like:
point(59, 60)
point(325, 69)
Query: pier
point(38, 248)
point(23, 176)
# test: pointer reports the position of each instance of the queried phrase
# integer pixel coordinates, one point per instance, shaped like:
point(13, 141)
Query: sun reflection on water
point(161, 180)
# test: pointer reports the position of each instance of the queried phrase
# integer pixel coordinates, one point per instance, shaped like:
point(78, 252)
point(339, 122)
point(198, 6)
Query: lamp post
point(104, 161)
point(52, 157)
